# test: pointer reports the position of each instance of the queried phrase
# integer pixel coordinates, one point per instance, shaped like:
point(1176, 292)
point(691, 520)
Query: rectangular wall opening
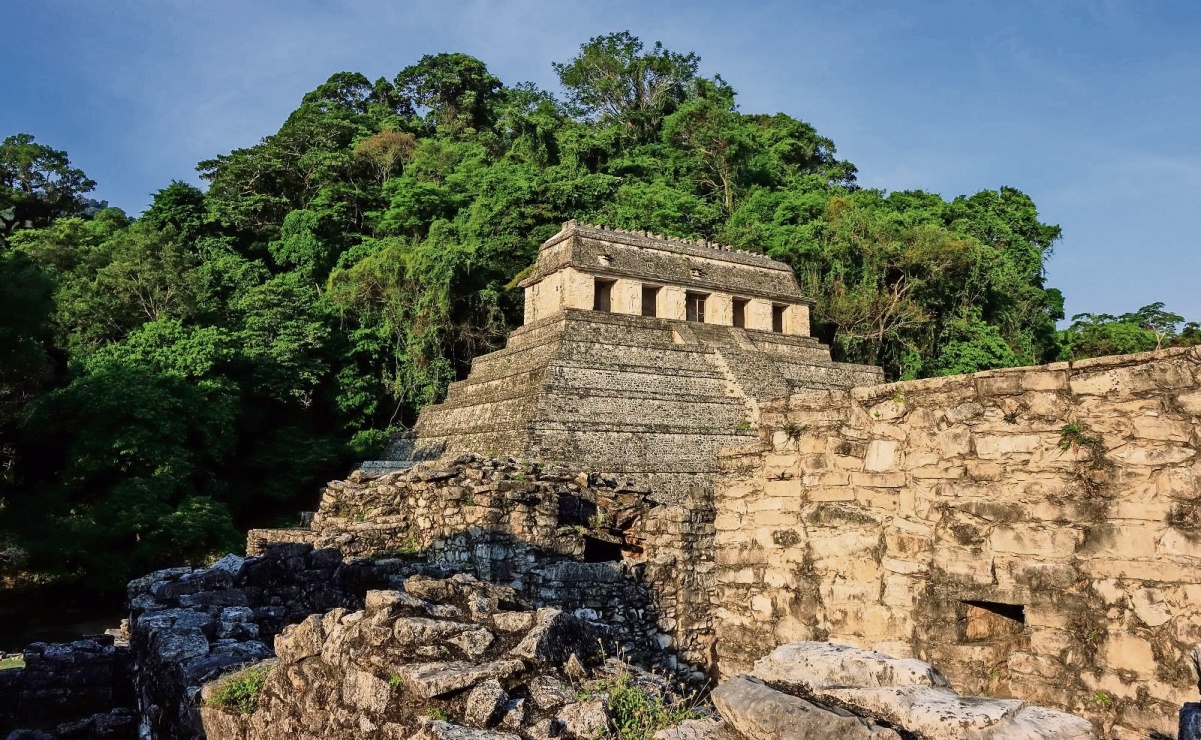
point(695, 303)
point(650, 300)
point(740, 312)
point(777, 319)
point(602, 297)
point(991, 620)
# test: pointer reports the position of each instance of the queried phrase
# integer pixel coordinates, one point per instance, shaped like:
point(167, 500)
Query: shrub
point(639, 710)
point(241, 690)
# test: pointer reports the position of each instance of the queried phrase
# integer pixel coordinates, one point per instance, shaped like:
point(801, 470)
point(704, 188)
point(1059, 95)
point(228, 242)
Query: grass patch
point(241, 690)
point(1073, 437)
point(12, 663)
point(639, 711)
point(793, 432)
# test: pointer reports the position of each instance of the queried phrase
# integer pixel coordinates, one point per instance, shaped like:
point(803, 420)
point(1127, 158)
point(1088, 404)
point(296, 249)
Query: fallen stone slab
point(935, 713)
point(823, 665)
point(1039, 723)
point(439, 730)
point(761, 713)
point(414, 631)
point(430, 680)
point(700, 729)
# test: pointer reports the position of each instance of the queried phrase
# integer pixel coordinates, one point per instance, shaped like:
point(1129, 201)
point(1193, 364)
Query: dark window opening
point(740, 312)
point(990, 620)
point(650, 301)
point(777, 319)
point(695, 307)
point(602, 299)
point(600, 551)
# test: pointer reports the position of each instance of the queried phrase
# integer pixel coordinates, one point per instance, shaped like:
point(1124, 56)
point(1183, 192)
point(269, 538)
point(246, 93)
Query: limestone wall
point(1035, 532)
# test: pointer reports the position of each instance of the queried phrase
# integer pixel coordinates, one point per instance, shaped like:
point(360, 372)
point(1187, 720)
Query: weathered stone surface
point(548, 692)
point(513, 621)
point(429, 680)
point(762, 713)
point(699, 729)
point(473, 642)
point(413, 631)
point(822, 665)
point(439, 730)
point(484, 703)
point(557, 635)
point(586, 720)
point(1037, 541)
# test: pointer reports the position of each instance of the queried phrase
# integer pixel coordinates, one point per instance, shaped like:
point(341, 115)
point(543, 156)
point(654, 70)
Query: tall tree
point(613, 79)
point(37, 185)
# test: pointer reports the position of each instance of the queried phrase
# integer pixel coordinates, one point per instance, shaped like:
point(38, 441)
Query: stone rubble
point(599, 547)
point(396, 670)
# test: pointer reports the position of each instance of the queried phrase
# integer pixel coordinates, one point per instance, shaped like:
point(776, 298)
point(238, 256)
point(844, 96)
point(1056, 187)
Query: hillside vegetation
point(168, 380)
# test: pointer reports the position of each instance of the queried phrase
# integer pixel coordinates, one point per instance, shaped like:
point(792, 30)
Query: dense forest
point(167, 381)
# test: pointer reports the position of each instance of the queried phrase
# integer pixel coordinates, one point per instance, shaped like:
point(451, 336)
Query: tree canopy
point(169, 380)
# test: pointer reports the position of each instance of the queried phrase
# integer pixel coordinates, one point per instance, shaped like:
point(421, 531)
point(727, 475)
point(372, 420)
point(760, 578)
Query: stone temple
point(640, 355)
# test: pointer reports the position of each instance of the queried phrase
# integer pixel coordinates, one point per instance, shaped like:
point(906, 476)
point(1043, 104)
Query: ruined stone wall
point(1035, 532)
point(601, 548)
point(74, 689)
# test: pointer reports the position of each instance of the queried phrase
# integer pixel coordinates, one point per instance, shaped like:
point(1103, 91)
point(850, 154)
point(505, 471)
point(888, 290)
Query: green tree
point(611, 78)
point(456, 89)
point(37, 185)
point(1149, 328)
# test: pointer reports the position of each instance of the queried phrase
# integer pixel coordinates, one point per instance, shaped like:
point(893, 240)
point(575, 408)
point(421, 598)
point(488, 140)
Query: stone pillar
point(578, 288)
point(796, 320)
point(627, 297)
point(758, 315)
point(531, 303)
point(719, 309)
point(671, 303)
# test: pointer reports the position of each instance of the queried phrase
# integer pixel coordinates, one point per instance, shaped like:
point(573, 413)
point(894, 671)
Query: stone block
point(1124, 651)
point(881, 455)
point(786, 488)
point(1036, 541)
point(762, 713)
point(996, 446)
point(1156, 427)
point(1044, 380)
point(840, 493)
point(1000, 383)
point(1151, 453)
point(1180, 544)
point(882, 499)
point(878, 480)
point(824, 665)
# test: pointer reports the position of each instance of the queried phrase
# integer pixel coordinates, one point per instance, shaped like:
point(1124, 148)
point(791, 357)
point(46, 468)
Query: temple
point(640, 355)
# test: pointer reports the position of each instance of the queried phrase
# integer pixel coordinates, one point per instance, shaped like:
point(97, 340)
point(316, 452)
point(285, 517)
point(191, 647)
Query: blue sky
point(1090, 106)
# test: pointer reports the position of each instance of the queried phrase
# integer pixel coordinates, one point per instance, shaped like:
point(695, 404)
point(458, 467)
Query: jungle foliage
point(169, 380)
